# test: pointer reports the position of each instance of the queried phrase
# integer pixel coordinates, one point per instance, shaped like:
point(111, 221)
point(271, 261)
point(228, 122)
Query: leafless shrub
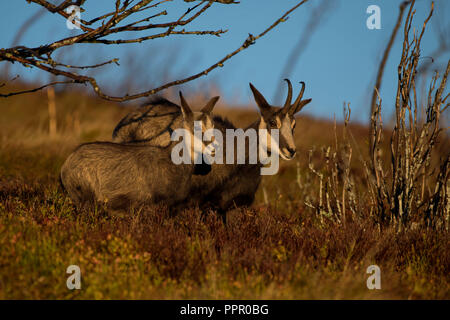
point(408, 177)
point(336, 187)
point(411, 187)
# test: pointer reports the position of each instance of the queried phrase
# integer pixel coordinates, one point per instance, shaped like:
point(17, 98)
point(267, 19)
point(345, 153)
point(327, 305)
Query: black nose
point(292, 151)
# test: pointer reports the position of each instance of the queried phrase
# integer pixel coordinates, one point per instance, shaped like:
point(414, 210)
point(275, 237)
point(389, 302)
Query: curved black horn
point(287, 104)
point(300, 96)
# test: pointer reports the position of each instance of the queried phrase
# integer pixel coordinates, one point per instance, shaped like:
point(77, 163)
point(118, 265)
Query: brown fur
point(227, 185)
point(125, 175)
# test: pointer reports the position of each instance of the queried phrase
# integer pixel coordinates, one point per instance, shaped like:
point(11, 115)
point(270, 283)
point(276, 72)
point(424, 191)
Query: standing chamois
point(227, 185)
point(124, 176)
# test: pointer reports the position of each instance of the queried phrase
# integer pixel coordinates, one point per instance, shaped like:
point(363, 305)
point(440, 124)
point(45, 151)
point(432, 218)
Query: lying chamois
point(123, 176)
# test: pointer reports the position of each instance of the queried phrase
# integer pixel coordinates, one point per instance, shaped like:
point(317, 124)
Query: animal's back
point(152, 124)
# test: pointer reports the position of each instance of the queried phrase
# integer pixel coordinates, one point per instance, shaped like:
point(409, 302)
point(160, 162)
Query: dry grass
point(312, 232)
point(280, 248)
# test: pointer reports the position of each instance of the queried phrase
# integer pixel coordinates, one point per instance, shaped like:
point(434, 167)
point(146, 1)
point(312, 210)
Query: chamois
point(124, 176)
point(226, 185)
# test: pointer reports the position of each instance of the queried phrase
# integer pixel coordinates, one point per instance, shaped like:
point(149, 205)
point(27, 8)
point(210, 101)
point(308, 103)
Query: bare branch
point(6, 95)
point(160, 35)
point(381, 69)
point(40, 57)
point(219, 1)
point(54, 63)
point(11, 80)
point(248, 42)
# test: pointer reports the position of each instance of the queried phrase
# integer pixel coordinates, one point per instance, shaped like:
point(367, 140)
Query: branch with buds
point(99, 30)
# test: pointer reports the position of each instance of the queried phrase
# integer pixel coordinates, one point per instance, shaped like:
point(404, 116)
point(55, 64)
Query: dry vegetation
point(312, 232)
point(279, 248)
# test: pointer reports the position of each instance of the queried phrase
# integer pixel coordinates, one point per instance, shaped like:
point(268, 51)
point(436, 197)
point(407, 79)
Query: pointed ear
point(210, 105)
point(301, 105)
point(185, 109)
point(260, 101)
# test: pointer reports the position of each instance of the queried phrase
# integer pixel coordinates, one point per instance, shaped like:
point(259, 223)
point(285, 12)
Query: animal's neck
point(254, 126)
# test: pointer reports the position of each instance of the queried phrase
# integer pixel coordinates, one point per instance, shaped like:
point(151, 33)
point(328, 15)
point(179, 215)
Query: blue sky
point(339, 63)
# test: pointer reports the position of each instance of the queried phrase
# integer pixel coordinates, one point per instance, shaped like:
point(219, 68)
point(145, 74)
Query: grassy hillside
point(291, 244)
